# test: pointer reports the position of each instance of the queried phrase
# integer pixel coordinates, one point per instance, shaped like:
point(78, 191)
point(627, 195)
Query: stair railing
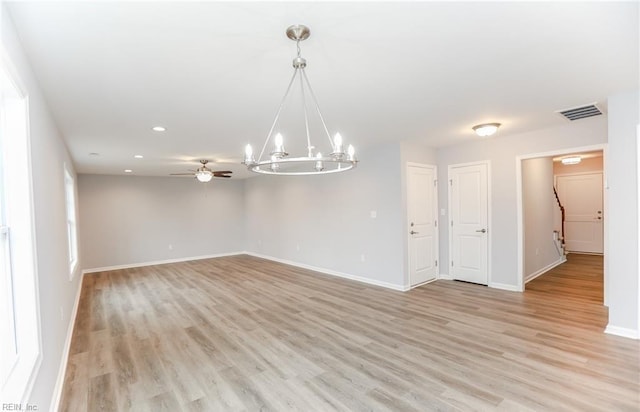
point(555, 192)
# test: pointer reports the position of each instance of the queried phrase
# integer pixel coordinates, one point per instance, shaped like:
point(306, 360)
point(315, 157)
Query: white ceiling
point(213, 73)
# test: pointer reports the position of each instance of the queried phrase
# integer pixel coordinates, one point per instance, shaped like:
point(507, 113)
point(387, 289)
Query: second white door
point(422, 212)
point(469, 217)
point(581, 196)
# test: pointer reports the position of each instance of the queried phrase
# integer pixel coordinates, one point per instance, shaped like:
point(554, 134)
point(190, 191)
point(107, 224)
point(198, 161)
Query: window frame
point(71, 211)
point(18, 181)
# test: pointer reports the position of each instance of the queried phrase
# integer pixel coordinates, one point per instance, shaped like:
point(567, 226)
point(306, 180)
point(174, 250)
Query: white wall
point(48, 153)
point(622, 214)
point(329, 218)
point(129, 219)
point(502, 152)
point(539, 205)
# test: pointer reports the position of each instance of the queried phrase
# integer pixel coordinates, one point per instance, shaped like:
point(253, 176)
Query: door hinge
point(452, 263)
point(436, 263)
point(452, 223)
point(435, 223)
point(451, 182)
point(435, 182)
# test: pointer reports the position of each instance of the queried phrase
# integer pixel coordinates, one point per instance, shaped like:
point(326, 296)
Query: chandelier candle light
point(278, 161)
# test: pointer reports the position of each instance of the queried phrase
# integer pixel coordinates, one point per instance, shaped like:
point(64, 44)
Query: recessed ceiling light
point(94, 154)
point(138, 156)
point(158, 129)
point(486, 129)
point(128, 170)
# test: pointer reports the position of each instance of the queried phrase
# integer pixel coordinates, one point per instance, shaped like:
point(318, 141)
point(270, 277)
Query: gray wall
point(502, 152)
point(622, 213)
point(48, 154)
point(129, 219)
point(539, 205)
point(329, 218)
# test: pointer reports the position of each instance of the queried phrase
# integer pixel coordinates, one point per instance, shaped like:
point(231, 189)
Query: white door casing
point(581, 195)
point(422, 207)
point(469, 222)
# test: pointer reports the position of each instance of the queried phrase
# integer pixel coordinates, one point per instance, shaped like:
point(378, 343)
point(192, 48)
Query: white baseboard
point(62, 370)
point(445, 276)
point(159, 262)
point(545, 269)
point(504, 286)
point(401, 288)
point(624, 332)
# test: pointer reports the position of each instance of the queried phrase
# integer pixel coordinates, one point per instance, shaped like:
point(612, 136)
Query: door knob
point(482, 231)
point(413, 232)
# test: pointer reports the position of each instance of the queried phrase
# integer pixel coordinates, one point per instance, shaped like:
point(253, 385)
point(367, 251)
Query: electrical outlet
point(362, 258)
point(374, 214)
point(537, 251)
point(170, 247)
point(297, 248)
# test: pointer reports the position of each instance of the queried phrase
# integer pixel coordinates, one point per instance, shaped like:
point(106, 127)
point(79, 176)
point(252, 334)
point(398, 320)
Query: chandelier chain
point(315, 101)
point(306, 116)
point(275, 120)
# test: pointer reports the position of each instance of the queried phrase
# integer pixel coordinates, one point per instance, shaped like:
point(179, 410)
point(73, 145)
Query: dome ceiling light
point(486, 129)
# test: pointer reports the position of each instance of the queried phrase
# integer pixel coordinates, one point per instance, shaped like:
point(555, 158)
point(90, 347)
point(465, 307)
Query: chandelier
point(278, 162)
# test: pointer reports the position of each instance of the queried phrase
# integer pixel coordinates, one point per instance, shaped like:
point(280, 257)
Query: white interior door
point(468, 190)
point(581, 196)
point(422, 213)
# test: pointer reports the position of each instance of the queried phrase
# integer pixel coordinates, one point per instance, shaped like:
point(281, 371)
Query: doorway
point(582, 229)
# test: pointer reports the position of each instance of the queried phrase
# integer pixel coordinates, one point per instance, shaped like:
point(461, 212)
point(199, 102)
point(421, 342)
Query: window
point(20, 344)
point(72, 233)
point(8, 346)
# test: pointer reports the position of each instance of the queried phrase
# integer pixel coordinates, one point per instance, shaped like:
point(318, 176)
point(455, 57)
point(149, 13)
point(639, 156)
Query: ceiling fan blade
point(221, 176)
point(222, 171)
point(181, 174)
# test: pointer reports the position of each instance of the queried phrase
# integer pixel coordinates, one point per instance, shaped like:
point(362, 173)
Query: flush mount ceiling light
point(571, 160)
point(278, 161)
point(138, 156)
point(158, 129)
point(486, 129)
point(128, 170)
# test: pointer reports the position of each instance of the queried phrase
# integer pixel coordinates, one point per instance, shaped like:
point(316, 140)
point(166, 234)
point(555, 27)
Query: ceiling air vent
point(581, 112)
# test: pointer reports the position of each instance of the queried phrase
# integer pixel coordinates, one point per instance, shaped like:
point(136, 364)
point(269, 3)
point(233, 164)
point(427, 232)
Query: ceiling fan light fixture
point(159, 129)
point(571, 160)
point(204, 176)
point(486, 129)
point(278, 162)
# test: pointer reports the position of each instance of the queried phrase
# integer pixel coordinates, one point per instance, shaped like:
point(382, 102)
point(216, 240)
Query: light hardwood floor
point(242, 333)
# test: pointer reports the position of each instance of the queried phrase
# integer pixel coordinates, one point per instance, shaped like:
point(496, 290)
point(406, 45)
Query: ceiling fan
point(204, 174)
